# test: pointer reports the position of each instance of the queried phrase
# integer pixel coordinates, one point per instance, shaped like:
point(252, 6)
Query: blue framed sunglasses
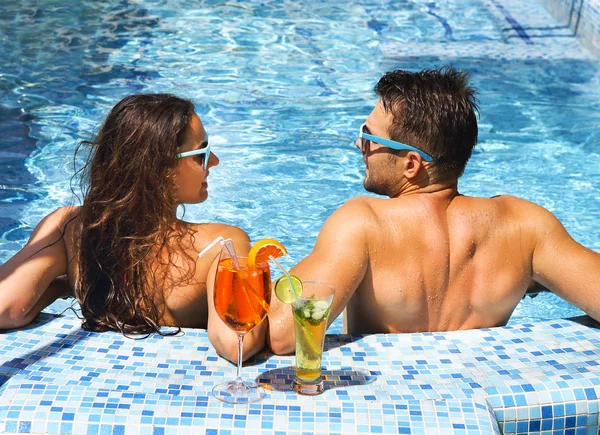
point(365, 136)
point(204, 150)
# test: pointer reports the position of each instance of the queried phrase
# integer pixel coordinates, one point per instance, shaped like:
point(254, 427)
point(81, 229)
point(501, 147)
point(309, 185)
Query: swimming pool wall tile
point(532, 414)
point(525, 35)
point(582, 17)
point(547, 374)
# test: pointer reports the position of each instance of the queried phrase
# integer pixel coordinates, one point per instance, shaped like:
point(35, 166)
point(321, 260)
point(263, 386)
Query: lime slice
point(284, 291)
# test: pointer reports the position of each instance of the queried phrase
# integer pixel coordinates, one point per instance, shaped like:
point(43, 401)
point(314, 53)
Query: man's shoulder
point(508, 199)
point(365, 203)
point(352, 218)
point(377, 210)
point(359, 206)
point(528, 215)
point(378, 207)
point(516, 204)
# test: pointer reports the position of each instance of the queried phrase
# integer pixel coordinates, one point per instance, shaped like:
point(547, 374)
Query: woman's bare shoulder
point(206, 233)
point(218, 229)
point(58, 220)
point(64, 215)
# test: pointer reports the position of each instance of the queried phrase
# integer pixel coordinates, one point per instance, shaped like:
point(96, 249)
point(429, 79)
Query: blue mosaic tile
point(410, 389)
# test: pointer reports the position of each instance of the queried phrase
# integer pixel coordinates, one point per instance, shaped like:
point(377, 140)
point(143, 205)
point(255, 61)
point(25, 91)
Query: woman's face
point(190, 177)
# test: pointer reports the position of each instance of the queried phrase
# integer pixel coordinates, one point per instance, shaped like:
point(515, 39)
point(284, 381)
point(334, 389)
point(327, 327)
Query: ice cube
point(317, 314)
point(321, 305)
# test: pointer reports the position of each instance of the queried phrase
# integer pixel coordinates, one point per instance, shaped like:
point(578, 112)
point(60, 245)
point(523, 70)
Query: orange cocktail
point(242, 295)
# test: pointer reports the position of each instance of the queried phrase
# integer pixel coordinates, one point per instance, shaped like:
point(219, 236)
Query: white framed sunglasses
point(205, 151)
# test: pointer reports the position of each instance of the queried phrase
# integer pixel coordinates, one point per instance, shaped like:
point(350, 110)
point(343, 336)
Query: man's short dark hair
point(433, 110)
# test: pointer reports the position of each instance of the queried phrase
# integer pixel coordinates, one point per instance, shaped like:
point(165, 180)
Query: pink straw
point(227, 244)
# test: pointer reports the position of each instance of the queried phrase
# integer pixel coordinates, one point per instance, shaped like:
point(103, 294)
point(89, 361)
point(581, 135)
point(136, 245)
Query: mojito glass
point(311, 313)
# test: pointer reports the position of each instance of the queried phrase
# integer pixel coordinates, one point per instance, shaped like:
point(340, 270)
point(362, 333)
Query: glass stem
point(239, 362)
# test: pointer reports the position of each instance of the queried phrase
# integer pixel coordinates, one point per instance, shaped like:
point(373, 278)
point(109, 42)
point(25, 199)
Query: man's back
point(438, 262)
point(427, 258)
point(441, 262)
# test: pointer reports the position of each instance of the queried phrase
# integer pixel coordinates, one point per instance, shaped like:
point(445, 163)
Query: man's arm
point(569, 269)
point(340, 258)
point(220, 335)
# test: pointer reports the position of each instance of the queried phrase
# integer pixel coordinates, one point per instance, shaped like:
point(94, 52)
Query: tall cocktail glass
point(311, 314)
point(242, 295)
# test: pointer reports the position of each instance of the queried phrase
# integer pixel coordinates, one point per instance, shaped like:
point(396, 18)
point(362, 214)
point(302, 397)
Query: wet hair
point(435, 111)
point(128, 228)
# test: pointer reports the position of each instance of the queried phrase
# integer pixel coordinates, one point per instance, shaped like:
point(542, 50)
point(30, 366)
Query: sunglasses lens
point(206, 157)
point(362, 140)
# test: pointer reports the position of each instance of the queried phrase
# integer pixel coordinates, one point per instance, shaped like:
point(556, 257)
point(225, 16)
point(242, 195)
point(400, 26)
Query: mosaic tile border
point(109, 412)
point(56, 378)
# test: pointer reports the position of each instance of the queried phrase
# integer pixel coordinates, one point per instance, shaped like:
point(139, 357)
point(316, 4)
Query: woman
point(131, 264)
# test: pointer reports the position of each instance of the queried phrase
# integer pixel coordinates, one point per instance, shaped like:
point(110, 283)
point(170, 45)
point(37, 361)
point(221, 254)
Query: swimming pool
point(282, 88)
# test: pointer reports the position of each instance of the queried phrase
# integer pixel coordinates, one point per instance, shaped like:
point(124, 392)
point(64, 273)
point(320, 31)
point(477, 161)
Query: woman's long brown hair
point(128, 218)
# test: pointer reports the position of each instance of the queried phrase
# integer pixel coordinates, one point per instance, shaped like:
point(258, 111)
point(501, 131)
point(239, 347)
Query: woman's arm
point(27, 280)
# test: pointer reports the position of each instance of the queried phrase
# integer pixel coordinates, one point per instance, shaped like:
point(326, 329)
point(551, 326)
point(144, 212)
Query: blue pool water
point(282, 87)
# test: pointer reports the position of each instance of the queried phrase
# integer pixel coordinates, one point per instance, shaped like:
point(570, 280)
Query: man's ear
point(413, 163)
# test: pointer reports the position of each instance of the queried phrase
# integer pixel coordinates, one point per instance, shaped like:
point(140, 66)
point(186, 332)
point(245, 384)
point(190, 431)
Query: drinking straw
point(227, 244)
point(284, 270)
point(210, 245)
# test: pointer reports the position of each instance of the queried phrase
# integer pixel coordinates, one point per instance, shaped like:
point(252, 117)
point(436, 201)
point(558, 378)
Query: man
point(429, 258)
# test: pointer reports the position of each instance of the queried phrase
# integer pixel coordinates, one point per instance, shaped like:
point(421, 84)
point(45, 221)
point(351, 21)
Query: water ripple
point(282, 89)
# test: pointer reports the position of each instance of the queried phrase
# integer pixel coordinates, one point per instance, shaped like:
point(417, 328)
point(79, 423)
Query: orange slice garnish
point(263, 249)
